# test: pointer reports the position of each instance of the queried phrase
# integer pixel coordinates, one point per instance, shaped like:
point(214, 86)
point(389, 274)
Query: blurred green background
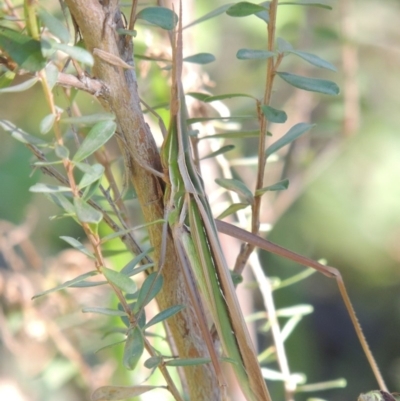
point(343, 204)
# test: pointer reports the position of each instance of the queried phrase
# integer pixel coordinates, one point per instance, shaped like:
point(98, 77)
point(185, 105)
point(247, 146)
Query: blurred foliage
point(346, 209)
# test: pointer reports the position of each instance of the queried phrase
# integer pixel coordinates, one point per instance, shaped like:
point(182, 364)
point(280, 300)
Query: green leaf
point(24, 50)
point(243, 9)
point(39, 187)
point(279, 186)
point(233, 135)
point(20, 87)
point(290, 136)
point(306, 3)
point(76, 52)
point(77, 245)
point(264, 15)
point(20, 135)
point(103, 311)
point(251, 54)
point(274, 115)
point(149, 290)
point(128, 269)
point(47, 123)
point(237, 186)
point(96, 138)
point(128, 230)
point(187, 361)
point(283, 45)
point(123, 282)
point(90, 119)
point(6, 79)
point(152, 362)
point(87, 213)
point(310, 84)
point(232, 209)
point(90, 190)
point(313, 59)
point(85, 284)
point(160, 16)
point(112, 393)
point(54, 25)
point(200, 58)
point(220, 151)
point(61, 201)
point(198, 95)
point(92, 175)
point(134, 347)
point(212, 14)
point(61, 151)
point(51, 75)
point(67, 284)
point(210, 99)
point(229, 118)
point(165, 314)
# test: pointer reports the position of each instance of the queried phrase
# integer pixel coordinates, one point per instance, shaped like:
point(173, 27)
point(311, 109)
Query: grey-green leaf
point(77, 245)
point(134, 347)
point(120, 280)
point(160, 16)
point(47, 123)
point(24, 50)
point(39, 187)
point(128, 269)
point(244, 9)
point(313, 59)
point(61, 151)
point(310, 84)
point(283, 45)
point(89, 119)
point(306, 3)
point(220, 151)
point(200, 58)
point(152, 362)
point(279, 186)
point(96, 138)
point(237, 186)
point(20, 87)
point(232, 209)
point(274, 115)
point(21, 135)
point(87, 213)
point(187, 361)
point(103, 311)
point(95, 172)
point(209, 99)
point(76, 52)
point(252, 54)
point(54, 25)
point(60, 200)
point(212, 14)
point(67, 284)
point(165, 314)
point(290, 136)
point(149, 290)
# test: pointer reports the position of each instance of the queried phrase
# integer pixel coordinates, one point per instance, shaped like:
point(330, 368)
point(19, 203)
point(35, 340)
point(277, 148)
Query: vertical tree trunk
point(97, 24)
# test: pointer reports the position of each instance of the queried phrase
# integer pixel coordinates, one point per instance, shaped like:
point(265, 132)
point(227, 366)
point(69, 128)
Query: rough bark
point(97, 23)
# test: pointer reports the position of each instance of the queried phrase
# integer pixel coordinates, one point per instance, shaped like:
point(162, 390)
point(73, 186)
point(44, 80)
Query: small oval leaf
point(61, 151)
point(251, 54)
point(120, 280)
point(274, 115)
point(67, 284)
point(243, 9)
point(134, 347)
point(310, 84)
point(20, 87)
point(187, 361)
point(152, 362)
point(160, 16)
point(212, 14)
point(21, 135)
point(39, 187)
point(77, 245)
point(290, 136)
point(94, 174)
point(149, 290)
point(210, 99)
point(220, 151)
point(47, 123)
point(232, 209)
point(96, 138)
point(200, 58)
point(87, 213)
point(313, 59)
point(237, 186)
point(165, 314)
point(279, 186)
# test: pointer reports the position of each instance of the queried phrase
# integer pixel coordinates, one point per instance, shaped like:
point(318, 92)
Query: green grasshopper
point(195, 234)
